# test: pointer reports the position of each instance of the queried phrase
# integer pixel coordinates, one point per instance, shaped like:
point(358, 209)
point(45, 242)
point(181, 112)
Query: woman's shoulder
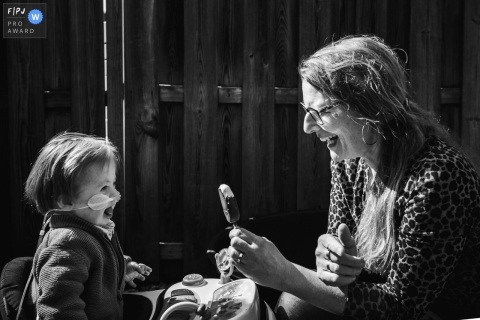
point(439, 156)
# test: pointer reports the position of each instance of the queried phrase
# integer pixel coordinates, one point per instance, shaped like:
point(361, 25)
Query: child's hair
point(60, 162)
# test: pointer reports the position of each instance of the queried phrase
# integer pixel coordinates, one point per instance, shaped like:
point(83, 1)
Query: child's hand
point(136, 271)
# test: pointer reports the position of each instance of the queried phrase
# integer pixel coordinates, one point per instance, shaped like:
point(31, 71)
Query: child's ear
point(62, 205)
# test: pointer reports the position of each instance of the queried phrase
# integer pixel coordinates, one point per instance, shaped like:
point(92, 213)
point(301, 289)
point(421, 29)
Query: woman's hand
point(136, 271)
point(337, 261)
point(258, 258)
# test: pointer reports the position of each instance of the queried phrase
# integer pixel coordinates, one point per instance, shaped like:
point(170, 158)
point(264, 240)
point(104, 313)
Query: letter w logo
point(35, 16)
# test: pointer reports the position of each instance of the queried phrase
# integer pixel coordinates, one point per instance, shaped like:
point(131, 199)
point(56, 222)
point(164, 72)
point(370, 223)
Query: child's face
point(96, 179)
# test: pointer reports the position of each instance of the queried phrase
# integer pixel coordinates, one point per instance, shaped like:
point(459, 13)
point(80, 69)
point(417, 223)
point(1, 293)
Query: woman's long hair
point(366, 76)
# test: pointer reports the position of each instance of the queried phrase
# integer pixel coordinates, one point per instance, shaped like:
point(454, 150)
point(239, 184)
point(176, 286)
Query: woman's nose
point(309, 124)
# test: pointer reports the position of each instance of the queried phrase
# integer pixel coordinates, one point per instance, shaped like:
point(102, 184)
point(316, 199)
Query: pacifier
point(224, 265)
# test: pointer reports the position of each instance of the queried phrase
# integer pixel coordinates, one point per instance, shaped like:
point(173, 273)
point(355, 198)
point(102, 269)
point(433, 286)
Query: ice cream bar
point(229, 204)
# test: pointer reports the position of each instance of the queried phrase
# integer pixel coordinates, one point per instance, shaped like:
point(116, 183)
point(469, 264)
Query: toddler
point(79, 270)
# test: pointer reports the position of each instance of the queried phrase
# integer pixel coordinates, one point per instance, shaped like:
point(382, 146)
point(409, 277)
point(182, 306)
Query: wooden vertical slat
point(57, 65)
point(258, 109)
point(141, 135)
point(313, 156)
point(452, 49)
point(365, 17)
point(382, 22)
point(26, 129)
point(425, 53)
point(286, 76)
point(5, 169)
point(87, 66)
point(170, 62)
point(115, 99)
point(471, 77)
point(230, 73)
point(200, 131)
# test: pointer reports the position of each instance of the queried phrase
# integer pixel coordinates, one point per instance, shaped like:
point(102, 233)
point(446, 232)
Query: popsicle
point(229, 204)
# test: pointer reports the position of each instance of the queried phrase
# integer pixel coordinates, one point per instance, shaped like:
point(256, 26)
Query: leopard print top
point(436, 266)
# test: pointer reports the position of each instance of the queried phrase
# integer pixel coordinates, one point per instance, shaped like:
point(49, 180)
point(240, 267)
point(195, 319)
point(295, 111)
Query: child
point(79, 270)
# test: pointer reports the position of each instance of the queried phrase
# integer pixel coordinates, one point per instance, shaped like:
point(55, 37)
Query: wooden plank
point(170, 38)
point(141, 135)
point(169, 93)
point(57, 99)
point(425, 53)
point(57, 75)
point(115, 100)
point(366, 16)
point(170, 63)
point(229, 80)
point(5, 170)
point(313, 158)
point(452, 59)
point(26, 133)
point(56, 120)
point(200, 133)
point(471, 78)
point(87, 66)
point(382, 21)
point(393, 25)
point(258, 117)
point(286, 109)
point(451, 95)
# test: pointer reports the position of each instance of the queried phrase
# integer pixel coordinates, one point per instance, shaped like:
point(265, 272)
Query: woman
point(404, 205)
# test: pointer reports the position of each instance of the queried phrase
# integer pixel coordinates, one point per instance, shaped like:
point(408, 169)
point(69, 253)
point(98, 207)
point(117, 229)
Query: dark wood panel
point(141, 136)
point(5, 169)
point(286, 135)
point(55, 46)
point(170, 41)
point(114, 101)
point(313, 158)
point(171, 187)
point(286, 56)
point(56, 121)
point(425, 53)
point(26, 136)
point(366, 16)
point(397, 20)
point(87, 66)
point(200, 134)
point(170, 68)
point(258, 108)
point(230, 35)
point(452, 43)
point(471, 81)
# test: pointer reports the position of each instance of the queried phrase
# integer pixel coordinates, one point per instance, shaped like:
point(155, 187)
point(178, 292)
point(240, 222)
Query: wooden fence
point(210, 96)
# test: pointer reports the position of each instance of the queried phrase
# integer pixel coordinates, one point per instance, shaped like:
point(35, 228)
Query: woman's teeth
point(330, 139)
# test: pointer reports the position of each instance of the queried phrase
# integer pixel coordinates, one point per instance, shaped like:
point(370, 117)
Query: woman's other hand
point(337, 261)
point(258, 258)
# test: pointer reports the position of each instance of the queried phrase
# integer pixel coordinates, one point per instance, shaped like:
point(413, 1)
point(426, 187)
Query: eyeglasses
point(317, 114)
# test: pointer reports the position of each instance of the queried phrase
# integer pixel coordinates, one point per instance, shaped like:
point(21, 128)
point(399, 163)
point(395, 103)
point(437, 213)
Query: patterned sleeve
point(61, 273)
point(436, 212)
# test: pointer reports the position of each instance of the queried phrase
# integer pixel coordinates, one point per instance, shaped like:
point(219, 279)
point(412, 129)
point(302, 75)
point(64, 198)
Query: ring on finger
point(328, 266)
point(328, 255)
point(240, 256)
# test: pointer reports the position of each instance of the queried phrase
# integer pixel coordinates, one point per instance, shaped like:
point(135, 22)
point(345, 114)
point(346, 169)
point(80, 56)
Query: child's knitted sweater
point(78, 272)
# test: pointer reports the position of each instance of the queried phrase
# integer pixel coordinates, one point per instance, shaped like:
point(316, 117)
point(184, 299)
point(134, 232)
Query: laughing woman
point(404, 204)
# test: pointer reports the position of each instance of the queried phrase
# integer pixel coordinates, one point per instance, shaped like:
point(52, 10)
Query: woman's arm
point(263, 263)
